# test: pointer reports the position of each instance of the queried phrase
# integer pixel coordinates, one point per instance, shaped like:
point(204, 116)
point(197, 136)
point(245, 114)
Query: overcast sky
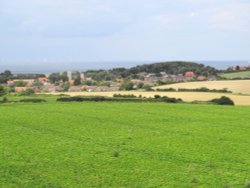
point(124, 30)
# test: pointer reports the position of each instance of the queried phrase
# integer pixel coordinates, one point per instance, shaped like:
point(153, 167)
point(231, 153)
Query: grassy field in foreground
point(186, 96)
point(236, 74)
point(236, 86)
point(124, 145)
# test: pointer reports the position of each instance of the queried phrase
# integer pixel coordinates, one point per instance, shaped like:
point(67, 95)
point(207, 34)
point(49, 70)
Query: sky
point(37, 32)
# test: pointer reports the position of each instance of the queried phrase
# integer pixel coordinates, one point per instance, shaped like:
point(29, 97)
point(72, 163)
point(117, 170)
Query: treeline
point(202, 89)
point(121, 98)
point(124, 98)
point(8, 75)
point(27, 76)
point(175, 67)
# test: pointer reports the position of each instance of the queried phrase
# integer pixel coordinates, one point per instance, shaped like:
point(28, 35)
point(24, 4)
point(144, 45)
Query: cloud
point(116, 29)
point(64, 18)
point(233, 17)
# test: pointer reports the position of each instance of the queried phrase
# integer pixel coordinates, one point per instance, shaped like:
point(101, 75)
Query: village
point(76, 81)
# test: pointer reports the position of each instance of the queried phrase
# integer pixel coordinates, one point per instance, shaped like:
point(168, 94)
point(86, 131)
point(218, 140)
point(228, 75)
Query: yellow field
point(236, 86)
point(186, 96)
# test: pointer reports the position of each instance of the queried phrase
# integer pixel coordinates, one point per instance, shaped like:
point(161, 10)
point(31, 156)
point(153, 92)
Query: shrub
point(147, 88)
point(227, 186)
point(223, 101)
point(2, 91)
point(171, 100)
point(195, 180)
point(116, 154)
point(204, 89)
point(27, 92)
point(81, 99)
point(101, 99)
point(33, 100)
point(124, 96)
point(5, 99)
point(166, 89)
point(157, 96)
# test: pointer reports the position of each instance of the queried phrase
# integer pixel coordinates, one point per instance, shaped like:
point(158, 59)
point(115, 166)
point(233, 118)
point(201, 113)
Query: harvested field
point(236, 86)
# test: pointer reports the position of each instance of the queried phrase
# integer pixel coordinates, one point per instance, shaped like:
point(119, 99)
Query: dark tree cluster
point(175, 67)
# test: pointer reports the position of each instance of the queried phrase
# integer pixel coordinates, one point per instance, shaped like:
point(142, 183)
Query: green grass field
point(124, 145)
point(236, 74)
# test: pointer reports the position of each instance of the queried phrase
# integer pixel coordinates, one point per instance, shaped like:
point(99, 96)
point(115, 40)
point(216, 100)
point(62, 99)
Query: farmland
point(123, 145)
point(236, 86)
point(241, 74)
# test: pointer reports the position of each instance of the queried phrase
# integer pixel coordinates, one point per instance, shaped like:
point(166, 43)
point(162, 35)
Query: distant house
point(179, 78)
point(151, 77)
point(211, 78)
point(52, 88)
point(243, 68)
point(75, 88)
point(71, 81)
point(82, 76)
point(90, 88)
point(10, 83)
point(190, 75)
point(114, 88)
point(102, 88)
point(37, 90)
point(202, 78)
point(20, 89)
point(136, 81)
point(149, 83)
point(119, 80)
point(166, 77)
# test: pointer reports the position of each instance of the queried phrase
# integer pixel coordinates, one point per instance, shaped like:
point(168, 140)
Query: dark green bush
point(27, 92)
point(116, 154)
point(204, 89)
point(5, 99)
point(171, 100)
point(114, 99)
point(166, 89)
point(124, 96)
point(33, 100)
point(247, 184)
point(157, 96)
point(223, 101)
point(81, 99)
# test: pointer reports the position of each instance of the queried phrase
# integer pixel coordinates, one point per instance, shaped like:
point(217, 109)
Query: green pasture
point(124, 145)
point(241, 74)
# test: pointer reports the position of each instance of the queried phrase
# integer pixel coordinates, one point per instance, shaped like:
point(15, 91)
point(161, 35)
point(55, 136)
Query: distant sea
point(49, 67)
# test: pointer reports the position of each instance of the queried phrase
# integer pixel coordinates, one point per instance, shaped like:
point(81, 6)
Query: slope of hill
point(236, 86)
point(242, 74)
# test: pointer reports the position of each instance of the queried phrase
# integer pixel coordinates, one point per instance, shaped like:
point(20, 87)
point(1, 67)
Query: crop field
point(242, 100)
point(124, 145)
point(236, 75)
point(236, 86)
